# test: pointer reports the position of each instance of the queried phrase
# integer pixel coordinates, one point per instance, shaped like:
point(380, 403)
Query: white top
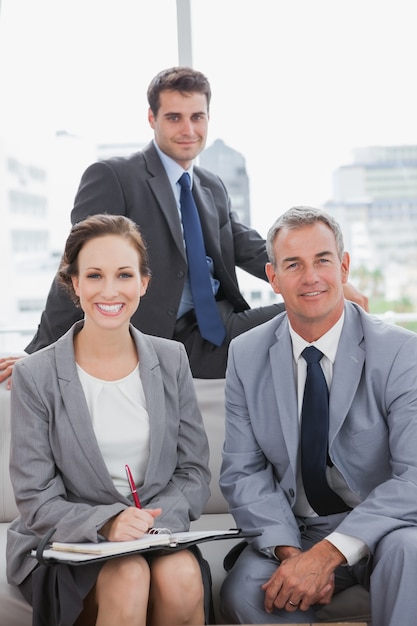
point(121, 424)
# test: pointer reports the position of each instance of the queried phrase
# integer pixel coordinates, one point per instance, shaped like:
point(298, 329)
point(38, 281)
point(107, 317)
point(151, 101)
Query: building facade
point(231, 167)
point(375, 201)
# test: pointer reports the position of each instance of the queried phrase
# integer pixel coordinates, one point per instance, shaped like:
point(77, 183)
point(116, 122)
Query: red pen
point(133, 487)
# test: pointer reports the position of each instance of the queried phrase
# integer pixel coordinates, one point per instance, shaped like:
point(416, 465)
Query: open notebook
point(158, 539)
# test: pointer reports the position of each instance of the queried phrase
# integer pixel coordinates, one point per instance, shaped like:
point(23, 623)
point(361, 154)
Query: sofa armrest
point(8, 509)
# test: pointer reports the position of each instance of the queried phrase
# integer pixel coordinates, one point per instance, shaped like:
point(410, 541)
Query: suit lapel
point(76, 407)
point(150, 373)
point(347, 374)
point(78, 414)
point(281, 359)
point(161, 189)
point(208, 217)
point(347, 370)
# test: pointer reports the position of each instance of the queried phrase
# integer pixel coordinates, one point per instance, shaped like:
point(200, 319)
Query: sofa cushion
point(350, 605)
point(210, 396)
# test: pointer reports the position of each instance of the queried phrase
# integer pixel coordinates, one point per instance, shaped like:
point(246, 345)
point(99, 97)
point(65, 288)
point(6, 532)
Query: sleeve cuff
point(352, 548)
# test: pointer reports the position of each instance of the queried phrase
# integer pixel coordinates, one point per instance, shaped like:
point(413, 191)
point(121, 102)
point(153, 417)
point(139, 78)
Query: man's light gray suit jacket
point(372, 434)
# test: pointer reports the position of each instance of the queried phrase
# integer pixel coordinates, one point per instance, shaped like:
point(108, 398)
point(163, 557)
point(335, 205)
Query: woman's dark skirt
point(57, 591)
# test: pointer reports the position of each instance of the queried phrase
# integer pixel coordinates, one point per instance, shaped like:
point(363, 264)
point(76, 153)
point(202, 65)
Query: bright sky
point(297, 84)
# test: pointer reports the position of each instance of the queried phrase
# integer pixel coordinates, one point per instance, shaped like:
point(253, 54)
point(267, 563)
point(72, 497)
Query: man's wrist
point(335, 557)
point(285, 552)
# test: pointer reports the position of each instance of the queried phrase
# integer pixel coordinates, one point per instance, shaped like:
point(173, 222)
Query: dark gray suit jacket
point(56, 467)
point(138, 187)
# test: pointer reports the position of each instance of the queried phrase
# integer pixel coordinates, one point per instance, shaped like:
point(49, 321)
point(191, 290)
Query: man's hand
point(351, 293)
point(303, 578)
point(6, 368)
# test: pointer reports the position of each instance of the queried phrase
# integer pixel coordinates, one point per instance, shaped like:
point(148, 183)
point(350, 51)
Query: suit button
point(180, 274)
point(171, 311)
point(291, 492)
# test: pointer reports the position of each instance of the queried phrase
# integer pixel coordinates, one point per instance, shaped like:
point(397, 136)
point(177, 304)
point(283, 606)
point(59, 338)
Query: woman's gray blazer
point(57, 471)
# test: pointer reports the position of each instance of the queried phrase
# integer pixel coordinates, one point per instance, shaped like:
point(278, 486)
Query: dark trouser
point(208, 360)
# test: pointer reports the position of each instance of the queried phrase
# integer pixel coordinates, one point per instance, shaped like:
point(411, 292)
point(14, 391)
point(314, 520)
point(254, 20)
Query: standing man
point(321, 433)
point(194, 299)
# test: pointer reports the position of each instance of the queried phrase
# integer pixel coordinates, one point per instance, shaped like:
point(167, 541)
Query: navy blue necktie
point(208, 317)
point(315, 438)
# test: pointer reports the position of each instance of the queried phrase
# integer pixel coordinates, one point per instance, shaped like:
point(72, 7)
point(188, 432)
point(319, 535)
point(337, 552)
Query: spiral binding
point(159, 531)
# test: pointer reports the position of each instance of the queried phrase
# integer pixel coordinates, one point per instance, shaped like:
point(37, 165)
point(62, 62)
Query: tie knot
point(312, 355)
point(185, 180)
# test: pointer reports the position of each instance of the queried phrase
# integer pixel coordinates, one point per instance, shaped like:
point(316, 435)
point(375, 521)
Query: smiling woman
point(100, 263)
point(132, 398)
point(108, 275)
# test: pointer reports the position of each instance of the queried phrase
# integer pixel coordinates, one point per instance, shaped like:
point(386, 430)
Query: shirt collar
point(327, 343)
point(173, 170)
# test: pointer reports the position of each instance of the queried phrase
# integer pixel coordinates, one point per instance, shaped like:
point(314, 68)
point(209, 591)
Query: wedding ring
point(292, 603)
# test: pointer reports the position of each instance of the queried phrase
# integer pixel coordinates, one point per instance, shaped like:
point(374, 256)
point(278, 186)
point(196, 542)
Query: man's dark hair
point(182, 79)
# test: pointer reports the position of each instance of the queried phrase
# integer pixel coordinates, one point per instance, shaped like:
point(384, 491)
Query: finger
point(154, 512)
point(143, 519)
point(8, 361)
point(129, 527)
point(292, 605)
point(5, 373)
point(148, 514)
point(272, 589)
point(325, 595)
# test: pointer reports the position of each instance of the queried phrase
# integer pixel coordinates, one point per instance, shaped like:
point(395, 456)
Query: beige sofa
point(351, 605)
point(14, 611)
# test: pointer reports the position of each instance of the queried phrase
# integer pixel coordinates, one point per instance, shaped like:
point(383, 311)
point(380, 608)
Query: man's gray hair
point(298, 217)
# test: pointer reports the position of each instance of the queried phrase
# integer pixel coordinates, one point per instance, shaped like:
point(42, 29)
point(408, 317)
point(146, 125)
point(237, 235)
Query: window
point(297, 88)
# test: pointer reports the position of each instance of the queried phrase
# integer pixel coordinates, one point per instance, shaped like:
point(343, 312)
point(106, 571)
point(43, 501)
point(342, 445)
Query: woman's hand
point(131, 523)
point(6, 368)
point(354, 295)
